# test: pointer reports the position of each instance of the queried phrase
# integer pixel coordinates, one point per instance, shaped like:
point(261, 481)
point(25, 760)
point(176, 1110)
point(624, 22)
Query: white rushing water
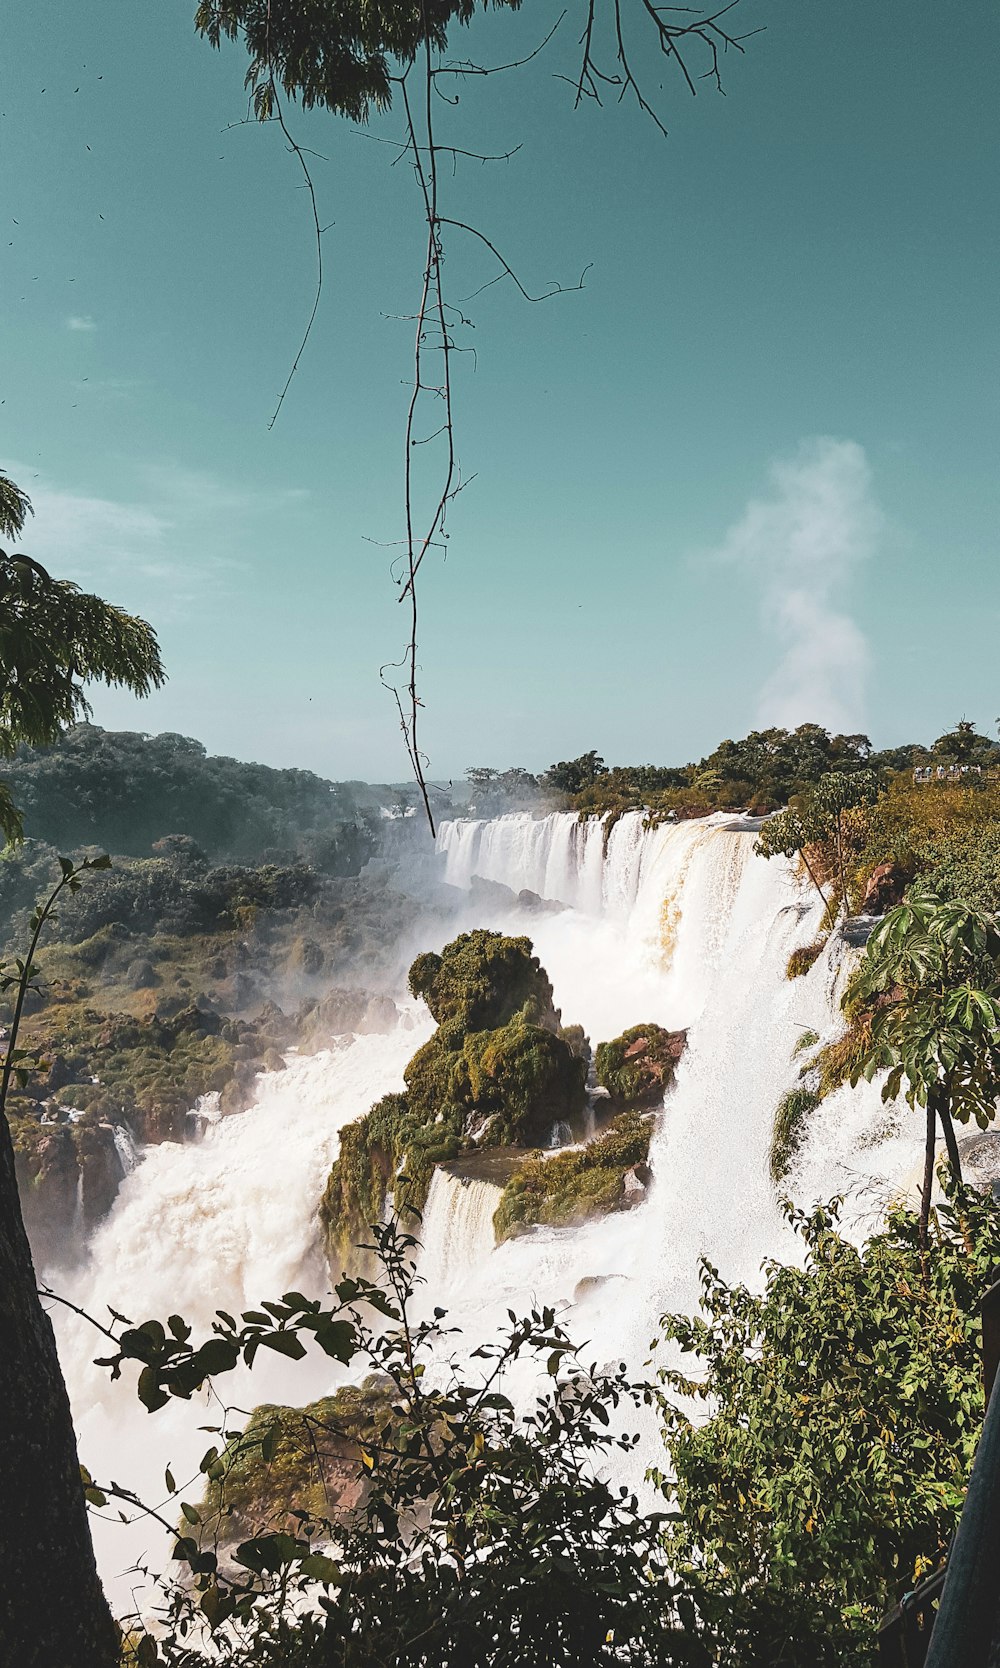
point(682, 925)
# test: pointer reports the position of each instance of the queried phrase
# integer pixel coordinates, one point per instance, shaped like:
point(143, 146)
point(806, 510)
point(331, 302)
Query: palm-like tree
point(930, 983)
point(53, 639)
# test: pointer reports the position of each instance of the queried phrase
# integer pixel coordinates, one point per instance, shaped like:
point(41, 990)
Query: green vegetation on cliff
point(638, 1067)
point(496, 1071)
point(292, 1460)
point(572, 1186)
point(122, 790)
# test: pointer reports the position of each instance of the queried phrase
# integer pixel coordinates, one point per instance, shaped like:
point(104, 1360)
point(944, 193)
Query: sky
point(747, 474)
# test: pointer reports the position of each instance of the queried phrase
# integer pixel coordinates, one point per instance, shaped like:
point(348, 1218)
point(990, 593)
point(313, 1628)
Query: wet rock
point(885, 889)
point(141, 975)
point(635, 1183)
point(592, 1283)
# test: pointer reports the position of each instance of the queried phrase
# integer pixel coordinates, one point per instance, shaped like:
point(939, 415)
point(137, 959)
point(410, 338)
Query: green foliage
point(789, 1129)
point(931, 978)
point(484, 1536)
point(844, 1406)
point(339, 56)
point(524, 1078)
point(54, 638)
point(294, 1460)
point(638, 1067)
point(15, 507)
point(965, 746)
point(574, 1186)
point(124, 791)
point(396, 1144)
point(572, 776)
point(800, 960)
point(480, 981)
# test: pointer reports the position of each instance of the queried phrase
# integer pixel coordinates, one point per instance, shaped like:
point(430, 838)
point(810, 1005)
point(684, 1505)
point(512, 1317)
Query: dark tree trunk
point(53, 1613)
point(947, 1124)
point(925, 1196)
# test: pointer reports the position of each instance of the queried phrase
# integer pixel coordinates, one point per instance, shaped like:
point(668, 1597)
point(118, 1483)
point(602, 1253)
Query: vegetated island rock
point(638, 1067)
point(313, 1465)
point(610, 1173)
point(496, 1073)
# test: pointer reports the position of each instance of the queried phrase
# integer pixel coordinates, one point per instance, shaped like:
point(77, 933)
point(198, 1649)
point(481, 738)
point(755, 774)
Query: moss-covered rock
point(68, 1174)
point(481, 980)
point(392, 1146)
point(296, 1459)
point(522, 1079)
point(573, 1186)
point(638, 1067)
point(495, 1072)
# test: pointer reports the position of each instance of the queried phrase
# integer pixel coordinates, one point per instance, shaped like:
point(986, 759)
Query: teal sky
point(747, 473)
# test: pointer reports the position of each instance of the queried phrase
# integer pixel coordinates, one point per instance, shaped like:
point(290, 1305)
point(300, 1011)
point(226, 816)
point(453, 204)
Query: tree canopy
point(54, 639)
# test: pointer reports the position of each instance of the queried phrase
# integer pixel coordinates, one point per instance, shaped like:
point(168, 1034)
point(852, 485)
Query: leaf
point(168, 1478)
point(318, 1567)
point(285, 1343)
point(190, 1513)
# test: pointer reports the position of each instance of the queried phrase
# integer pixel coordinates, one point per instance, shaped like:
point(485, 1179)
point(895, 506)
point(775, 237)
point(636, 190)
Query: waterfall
point(128, 1153)
point(683, 925)
point(457, 1231)
point(217, 1223)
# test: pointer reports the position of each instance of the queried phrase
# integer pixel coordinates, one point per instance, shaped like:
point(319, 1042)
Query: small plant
point(789, 1129)
point(801, 960)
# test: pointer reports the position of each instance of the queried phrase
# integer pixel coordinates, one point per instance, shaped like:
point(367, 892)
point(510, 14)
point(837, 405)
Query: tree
point(965, 746)
point(573, 775)
point(835, 1419)
point(818, 819)
point(53, 637)
point(487, 1537)
point(929, 991)
point(45, 1547)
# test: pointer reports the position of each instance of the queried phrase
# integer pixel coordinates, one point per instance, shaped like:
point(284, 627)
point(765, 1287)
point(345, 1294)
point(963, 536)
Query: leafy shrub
point(844, 1403)
point(525, 1079)
point(292, 1460)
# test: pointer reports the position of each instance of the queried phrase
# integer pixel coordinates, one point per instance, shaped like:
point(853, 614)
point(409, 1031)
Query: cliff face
point(67, 1175)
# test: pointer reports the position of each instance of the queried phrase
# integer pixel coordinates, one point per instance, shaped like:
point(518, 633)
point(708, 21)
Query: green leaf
point(318, 1567)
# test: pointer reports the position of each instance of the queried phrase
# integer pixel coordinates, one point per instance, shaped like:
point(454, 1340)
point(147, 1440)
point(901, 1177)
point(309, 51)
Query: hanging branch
point(327, 70)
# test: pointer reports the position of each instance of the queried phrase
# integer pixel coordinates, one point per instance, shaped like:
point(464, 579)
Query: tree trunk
point(925, 1196)
point(947, 1124)
point(53, 1613)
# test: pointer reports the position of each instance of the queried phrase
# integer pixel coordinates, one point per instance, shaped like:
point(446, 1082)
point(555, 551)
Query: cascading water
point(457, 1229)
point(683, 925)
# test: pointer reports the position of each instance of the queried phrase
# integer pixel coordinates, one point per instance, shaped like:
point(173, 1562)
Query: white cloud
point(80, 321)
point(802, 546)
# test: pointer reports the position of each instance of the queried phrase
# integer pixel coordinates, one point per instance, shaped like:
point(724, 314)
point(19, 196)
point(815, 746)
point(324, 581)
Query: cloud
point(802, 547)
point(175, 539)
point(80, 321)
